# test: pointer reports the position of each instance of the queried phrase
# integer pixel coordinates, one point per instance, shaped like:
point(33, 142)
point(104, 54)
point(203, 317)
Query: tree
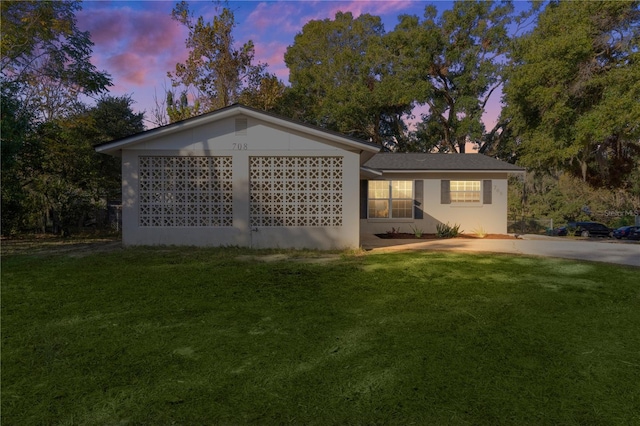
point(341, 79)
point(74, 180)
point(111, 118)
point(218, 71)
point(54, 174)
point(44, 68)
point(17, 148)
point(46, 57)
point(264, 94)
point(452, 64)
point(573, 92)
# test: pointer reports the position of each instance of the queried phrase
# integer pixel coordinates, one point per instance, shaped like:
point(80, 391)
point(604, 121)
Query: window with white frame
point(390, 199)
point(466, 191)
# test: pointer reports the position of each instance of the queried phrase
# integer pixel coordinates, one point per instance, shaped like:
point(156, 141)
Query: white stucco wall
point(490, 217)
point(261, 139)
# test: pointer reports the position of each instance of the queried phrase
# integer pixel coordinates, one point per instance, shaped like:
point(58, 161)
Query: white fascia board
point(369, 173)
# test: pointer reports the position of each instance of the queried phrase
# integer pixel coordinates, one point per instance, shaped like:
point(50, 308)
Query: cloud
point(135, 46)
point(270, 53)
point(130, 68)
point(275, 15)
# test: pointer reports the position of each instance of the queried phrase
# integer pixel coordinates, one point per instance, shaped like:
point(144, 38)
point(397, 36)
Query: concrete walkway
point(597, 250)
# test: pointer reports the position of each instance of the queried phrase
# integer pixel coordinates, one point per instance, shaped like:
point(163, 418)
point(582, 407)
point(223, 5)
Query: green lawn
point(230, 336)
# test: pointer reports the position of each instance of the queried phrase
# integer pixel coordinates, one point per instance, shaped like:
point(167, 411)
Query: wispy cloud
point(281, 17)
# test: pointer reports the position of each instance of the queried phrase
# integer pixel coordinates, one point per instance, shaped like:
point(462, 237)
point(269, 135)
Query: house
point(239, 176)
point(417, 191)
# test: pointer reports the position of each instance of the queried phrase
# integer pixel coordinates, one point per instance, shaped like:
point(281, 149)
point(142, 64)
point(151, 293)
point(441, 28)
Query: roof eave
point(368, 172)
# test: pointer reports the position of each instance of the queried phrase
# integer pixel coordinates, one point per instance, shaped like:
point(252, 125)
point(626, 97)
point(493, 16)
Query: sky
point(137, 42)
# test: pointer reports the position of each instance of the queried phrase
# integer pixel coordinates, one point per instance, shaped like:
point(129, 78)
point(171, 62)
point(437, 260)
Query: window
point(390, 199)
point(465, 191)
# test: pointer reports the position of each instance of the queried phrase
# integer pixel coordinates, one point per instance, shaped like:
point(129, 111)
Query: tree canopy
point(341, 79)
point(453, 64)
point(573, 91)
point(46, 58)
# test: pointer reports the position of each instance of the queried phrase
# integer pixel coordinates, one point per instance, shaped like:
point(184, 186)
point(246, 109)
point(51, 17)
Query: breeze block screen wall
point(185, 191)
point(296, 191)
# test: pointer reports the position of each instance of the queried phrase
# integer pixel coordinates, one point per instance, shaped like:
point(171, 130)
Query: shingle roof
point(438, 162)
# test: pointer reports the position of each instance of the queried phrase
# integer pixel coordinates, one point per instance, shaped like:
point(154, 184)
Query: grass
point(230, 336)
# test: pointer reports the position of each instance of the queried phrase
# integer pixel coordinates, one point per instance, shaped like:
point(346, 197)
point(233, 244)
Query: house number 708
point(239, 146)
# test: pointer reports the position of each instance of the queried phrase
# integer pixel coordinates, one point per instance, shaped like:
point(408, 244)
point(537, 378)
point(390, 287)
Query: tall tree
point(215, 68)
point(341, 79)
point(46, 57)
point(453, 64)
point(573, 93)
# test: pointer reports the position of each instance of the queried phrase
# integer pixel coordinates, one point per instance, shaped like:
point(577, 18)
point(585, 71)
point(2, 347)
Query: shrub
point(447, 231)
point(417, 231)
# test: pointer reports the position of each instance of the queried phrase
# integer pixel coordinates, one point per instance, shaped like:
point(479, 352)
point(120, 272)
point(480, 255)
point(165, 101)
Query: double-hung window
point(390, 199)
point(465, 191)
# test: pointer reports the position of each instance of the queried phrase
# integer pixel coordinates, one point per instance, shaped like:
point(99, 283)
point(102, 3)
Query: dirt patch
point(408, 236)
point(45, 245)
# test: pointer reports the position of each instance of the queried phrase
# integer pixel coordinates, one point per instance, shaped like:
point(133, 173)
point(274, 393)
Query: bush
point(447, 231)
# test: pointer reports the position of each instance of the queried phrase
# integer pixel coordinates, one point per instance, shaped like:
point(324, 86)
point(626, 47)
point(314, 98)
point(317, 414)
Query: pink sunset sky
point(137, 42)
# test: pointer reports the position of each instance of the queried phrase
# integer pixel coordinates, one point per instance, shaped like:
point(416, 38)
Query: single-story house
point(240, 176)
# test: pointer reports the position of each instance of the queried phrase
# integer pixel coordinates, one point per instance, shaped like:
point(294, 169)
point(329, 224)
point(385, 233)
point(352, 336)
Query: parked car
point(625, 231)
point(590, 229)
point(634, 234)
point(560, 231)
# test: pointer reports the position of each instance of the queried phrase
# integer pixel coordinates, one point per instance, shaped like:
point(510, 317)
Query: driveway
point(609, 251)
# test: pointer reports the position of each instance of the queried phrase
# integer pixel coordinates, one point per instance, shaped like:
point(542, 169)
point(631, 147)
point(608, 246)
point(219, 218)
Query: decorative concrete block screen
point(296, 191)
point(185, 191)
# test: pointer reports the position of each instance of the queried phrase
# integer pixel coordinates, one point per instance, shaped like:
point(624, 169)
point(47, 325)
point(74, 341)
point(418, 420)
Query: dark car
point(590, 229)
point(634, 234)
point(625, 231)
point(560, 231)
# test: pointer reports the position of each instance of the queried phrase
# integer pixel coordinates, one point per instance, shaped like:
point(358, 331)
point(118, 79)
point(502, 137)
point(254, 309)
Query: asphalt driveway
point(597, 250)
